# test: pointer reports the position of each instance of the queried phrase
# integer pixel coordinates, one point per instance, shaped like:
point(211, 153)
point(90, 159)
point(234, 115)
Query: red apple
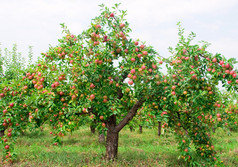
point(139, 55)
point(112, 15)
point(92, 86)
point(92, 96)
point(143, 67)
point(130, 82)
point(122, 25)
point(11, 105)
point(214, 60)
point(84, 110)
point(4, 111)
point(133, 59)
point(133, 71)
point(145, 53)
point(7, 147)
point(142, 46)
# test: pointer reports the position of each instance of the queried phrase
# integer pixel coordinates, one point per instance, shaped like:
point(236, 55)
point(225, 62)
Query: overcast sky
point(36, 22)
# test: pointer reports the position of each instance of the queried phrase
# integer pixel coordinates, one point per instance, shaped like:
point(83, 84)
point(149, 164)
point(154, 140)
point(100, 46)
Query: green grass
point(83, 149)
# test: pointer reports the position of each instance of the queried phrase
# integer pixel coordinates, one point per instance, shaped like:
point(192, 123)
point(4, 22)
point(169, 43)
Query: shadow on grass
point(33, 134)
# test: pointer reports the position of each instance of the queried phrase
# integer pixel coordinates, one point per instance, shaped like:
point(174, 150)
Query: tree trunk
point(112, 139)
point(213, 130)
point(140, 129)
point(131, 128)
point(113, 130)
point(92, 128)
point(159, 129)
point(101, 138)
point(2, 133)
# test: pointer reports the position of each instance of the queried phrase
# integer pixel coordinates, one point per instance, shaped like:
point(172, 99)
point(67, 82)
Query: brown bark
point(140, 129)
point(101, 138)
point(2, 133)
point(159, 128)
point(92, 129)
point(213, 130)
point(112, 139)
point(130, 115)
point(113, 130)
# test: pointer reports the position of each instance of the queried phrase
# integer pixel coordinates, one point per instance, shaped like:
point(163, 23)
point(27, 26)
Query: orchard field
point(82, 148)
point(105, 80)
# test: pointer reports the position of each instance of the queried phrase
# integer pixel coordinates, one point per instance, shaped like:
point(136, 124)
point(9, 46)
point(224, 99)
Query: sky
point(37, 23)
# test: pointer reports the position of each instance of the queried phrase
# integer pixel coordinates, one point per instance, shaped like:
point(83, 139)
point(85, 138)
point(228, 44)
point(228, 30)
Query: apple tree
point(105, 74)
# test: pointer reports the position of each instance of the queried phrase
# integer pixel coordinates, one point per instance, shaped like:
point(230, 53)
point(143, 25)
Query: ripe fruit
point(7, 147)
point(97, 26)
point(133, 59)
point(218, 115)
point(103, 125)
point(160, 62)
point(92, 86)
point(11, 105)
point(136, 42)
point(145, 53)
point(9, 134)
point(4, 111)
point(122, 25)
point(173, 93)
point(92, 96)
point(184, 51)
point(227, 65)
point(101, 117)
point(112, 15)
point(133, 71)
point(74, 97)
point(130, 82)
point(143, 67)
point(214, 60)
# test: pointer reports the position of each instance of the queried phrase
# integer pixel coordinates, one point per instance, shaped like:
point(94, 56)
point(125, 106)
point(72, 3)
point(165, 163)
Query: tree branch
point(130, 115)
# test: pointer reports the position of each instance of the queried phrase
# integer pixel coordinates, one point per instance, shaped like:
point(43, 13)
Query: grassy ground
point(82, 149)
